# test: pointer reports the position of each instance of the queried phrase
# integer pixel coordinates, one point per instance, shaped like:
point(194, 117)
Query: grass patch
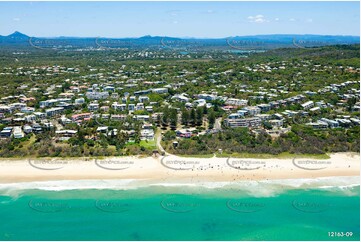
point(29, 142)
point(197, 156)
point(148, 144)
point(284, 155)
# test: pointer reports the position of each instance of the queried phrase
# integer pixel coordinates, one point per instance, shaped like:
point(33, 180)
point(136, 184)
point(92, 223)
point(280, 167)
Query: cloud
point(309, 20)
point(173, 12)
point(16, 19)
point(257, 19)
point(292, 19)
point(277, 19)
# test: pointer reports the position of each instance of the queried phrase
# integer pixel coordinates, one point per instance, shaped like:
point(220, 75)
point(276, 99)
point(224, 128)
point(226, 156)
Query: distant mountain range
point(237, 43)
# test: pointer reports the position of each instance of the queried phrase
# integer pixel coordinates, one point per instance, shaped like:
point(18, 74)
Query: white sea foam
point(256, 188)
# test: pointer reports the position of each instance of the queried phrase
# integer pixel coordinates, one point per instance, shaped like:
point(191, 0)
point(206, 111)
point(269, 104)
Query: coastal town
point(180, 120)
point(152, 107)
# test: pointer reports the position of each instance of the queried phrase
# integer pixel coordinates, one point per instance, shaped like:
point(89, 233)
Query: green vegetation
point(317, 73)
point(241, 141)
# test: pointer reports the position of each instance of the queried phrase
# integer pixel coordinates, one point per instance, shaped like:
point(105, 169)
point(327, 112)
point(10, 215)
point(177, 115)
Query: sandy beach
point(174, 168)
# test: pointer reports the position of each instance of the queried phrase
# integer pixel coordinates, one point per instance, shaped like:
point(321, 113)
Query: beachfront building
point(65, 134)
point(37, 128)
point(27, 129)
point(331, 123)
point(243, 122)
point(318, 125)
point(18, 132)
point(147, 134)
point(185, 133)
point(343, 122)
point(6, 132)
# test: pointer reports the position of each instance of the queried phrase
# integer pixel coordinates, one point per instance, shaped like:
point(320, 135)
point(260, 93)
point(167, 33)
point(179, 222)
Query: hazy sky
point(178, 19)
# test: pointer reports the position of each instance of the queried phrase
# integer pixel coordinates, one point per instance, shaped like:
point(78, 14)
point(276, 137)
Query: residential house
point(119, 107)
point(97, 95)
point(276, 122)
point(143, 99)
point(318, 125)
point(139, 106)
point(79, 101)
point(331, 123)
point(308, 105)
point(54, 111)
point(80, 116)
point(6, 132)
point(160, 90)
point(236, 102)
point(93, 106)
point(131, 107)
point(180, 98)
point(142, 117)
point(27, 129)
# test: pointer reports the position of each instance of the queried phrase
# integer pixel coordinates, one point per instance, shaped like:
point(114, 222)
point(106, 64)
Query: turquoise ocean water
point(231, 211)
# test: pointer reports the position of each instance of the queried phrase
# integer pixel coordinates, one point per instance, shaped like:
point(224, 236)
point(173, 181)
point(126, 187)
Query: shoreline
point(170, 169)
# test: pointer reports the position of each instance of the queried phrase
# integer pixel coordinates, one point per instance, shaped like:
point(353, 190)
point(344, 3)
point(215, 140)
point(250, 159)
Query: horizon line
point(183, 37)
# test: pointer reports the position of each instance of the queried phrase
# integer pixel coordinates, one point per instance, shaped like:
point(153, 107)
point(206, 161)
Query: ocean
point(302, 209)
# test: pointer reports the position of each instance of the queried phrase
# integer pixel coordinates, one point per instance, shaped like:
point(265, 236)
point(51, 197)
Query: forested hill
point(254, 42)
point(341, 54)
